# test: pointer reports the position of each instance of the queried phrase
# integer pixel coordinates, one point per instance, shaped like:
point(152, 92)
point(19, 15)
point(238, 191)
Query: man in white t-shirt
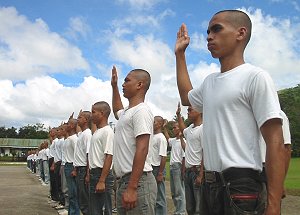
point(81, 158)
point(45, 156)
point(237, 104)
point(137, 188)
point(159, 157)
point(53, 184)
point(193, 158)
point(177, 168)
point(100, 160)
point(69, 148)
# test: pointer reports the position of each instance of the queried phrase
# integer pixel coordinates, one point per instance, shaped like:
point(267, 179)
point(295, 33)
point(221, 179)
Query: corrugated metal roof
point(20, 143)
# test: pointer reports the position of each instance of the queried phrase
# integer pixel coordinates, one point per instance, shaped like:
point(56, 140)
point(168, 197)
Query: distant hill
point(290, 104)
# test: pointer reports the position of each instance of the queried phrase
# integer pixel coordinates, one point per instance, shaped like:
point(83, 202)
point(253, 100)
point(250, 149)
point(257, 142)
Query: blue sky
point(56, 56)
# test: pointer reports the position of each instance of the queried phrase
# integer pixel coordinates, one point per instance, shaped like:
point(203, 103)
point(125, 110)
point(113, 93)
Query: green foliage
point(290, 104)
point(36, 131)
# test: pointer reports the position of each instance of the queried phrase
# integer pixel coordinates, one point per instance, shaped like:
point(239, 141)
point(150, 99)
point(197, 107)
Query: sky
point(56, 56)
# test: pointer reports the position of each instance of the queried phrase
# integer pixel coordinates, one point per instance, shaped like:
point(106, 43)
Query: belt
point(229, 174)
point(129, 173)
point(195, 168)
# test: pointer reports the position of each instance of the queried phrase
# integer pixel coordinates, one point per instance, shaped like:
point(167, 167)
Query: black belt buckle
point(210, 176)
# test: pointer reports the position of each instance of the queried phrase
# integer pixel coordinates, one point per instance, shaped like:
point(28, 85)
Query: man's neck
point(231, 62)
point(134, 101)
point(102, 124)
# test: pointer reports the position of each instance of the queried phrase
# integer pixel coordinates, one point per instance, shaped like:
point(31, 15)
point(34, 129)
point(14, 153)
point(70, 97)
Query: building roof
point(20, 143)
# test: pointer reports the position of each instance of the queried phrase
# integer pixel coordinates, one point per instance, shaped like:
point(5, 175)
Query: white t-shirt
point(132, 123)
point(58, 150)
point(70, 144)
point(286, 136)
point(52, 148)
point(82, 147)
point(193, 148)
point(101, 144)
point(45, 154)
point(177, 153)
point(39, 155)
point(159, 148)
point(235, 104)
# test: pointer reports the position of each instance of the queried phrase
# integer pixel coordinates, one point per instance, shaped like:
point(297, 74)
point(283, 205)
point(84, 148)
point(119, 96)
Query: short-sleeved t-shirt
point(82, 148)
point(159, 148)
point(58, 150)
point(177, 153)
point(70, 145)
point(193, 149)
point(101, 144)
point(235, 104)
point(132, 123)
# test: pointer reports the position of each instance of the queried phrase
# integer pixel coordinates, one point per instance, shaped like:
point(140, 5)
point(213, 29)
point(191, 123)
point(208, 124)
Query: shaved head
point(102, 106)
point(239, 19)
point(142, 75)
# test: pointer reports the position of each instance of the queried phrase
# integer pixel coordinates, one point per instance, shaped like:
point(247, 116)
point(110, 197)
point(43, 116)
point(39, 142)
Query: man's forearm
point(183, 80)
point(142, 144)
point(116, 101)
point(162, 164)
point(106, 168)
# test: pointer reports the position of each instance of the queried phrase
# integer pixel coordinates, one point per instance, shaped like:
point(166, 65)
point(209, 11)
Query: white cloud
point(274, 46)
point(198, 42)
point(140, 4)
point(78, 27)
point(45, 100)
point(131, 23)
point(28, 49)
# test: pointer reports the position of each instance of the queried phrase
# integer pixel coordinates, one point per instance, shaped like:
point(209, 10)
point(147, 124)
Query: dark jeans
point(100, 200)
point(52, 180)
point(58, 191)
point(82, 190)
point(236, 194)
point(72, 190)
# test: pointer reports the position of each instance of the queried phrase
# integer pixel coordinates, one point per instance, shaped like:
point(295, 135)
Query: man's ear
point(140, 85)
point(242, 33)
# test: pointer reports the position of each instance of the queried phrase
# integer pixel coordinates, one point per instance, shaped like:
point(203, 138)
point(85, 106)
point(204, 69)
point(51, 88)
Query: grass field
point(292, 181)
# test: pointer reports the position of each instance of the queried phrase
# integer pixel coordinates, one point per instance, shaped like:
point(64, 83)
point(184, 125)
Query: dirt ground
point(21, 193)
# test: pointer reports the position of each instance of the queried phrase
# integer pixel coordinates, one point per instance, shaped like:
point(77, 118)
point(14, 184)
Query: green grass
point(292, 181)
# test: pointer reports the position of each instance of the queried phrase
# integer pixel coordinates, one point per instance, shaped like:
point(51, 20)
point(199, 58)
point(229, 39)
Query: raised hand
point(114, 77)
point(72, 115)
point(178, 109)
point(182, 40)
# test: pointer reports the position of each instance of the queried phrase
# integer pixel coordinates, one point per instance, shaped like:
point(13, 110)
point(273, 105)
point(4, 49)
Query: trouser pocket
point(245, 196)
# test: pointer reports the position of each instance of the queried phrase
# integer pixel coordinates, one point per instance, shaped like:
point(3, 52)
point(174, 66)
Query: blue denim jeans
point(98, 201)
point(237, 196)
point(161, 202)
point(146, 194)
point(82, 190)
point(192, 192)
point(46, 171)
point(72, 190)
point(177, 188)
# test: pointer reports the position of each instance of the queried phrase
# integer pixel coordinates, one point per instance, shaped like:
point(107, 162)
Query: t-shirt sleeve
point(264, 99)
point(142, 122)
point(109, 140)
point(87, 141)
point(196, 99)
point(286, 129)
point(163, 146)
